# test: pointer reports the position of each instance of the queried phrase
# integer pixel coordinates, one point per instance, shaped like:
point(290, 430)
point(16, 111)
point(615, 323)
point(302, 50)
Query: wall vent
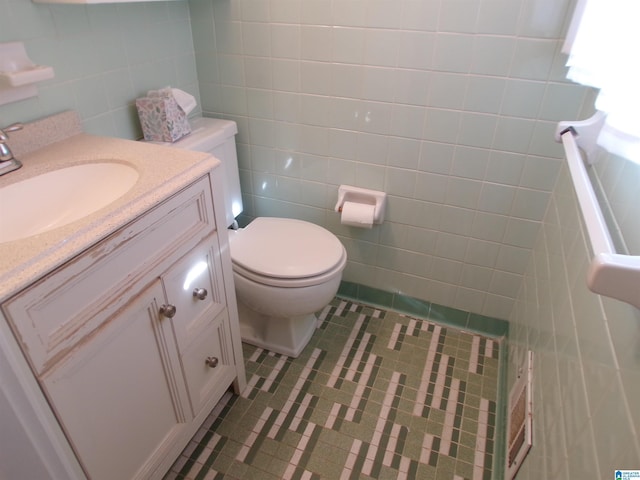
point(520, 419)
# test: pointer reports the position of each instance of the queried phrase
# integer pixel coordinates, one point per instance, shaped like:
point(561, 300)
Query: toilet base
point(287, 336)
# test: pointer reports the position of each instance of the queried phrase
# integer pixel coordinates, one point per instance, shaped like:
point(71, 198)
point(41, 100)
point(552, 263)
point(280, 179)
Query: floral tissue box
point(162, 119)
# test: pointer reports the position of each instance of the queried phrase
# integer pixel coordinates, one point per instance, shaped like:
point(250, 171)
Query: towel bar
point(611, 274)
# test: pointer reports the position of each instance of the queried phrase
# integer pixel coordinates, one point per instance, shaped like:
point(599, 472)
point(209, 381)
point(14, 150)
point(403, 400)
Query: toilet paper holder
point(348, 193)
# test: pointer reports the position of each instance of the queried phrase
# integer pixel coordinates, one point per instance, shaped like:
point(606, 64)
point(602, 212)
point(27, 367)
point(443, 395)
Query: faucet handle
point(11, 128)
point(5, 151)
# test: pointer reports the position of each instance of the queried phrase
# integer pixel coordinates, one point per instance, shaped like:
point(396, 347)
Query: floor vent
point(520, 420)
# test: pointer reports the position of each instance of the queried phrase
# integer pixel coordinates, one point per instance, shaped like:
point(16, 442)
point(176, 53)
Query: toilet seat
point(286, 252)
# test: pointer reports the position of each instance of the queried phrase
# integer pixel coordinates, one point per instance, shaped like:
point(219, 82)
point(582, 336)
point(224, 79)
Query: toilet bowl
point(284, 271)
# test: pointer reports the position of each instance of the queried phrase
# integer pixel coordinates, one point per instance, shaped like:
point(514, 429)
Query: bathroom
point(450, 107)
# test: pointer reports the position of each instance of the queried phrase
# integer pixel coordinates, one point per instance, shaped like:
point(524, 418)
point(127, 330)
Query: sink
point(57, 198)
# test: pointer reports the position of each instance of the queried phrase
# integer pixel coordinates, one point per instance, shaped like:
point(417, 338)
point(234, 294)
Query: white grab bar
point(610, 274)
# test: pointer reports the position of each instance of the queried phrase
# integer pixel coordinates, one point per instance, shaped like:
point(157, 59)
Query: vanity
point(123, 323)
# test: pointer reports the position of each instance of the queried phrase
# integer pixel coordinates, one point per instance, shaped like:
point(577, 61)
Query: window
point(602, 44)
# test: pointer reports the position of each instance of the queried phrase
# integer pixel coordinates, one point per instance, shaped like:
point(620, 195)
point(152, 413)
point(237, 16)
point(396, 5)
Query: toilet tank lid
point(286, 248)
point(206, 134)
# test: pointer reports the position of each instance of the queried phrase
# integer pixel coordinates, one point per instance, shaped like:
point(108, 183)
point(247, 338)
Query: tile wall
point(617, 179)
point(586, 347)
point(447, 105)
point(104, 57)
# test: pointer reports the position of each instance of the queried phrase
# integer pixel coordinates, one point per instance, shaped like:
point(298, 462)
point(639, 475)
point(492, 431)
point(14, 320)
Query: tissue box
point(162, 119)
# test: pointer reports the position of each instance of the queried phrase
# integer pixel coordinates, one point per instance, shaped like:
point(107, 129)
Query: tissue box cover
point(162, 119)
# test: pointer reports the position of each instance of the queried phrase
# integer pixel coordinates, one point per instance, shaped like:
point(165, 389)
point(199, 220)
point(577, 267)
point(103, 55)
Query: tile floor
point(375, 394)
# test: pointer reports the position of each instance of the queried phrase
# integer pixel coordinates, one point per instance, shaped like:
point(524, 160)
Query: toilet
point(284, 270)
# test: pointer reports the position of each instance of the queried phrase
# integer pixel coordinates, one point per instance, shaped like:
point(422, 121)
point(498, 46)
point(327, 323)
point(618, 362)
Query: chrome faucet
point(7, 162)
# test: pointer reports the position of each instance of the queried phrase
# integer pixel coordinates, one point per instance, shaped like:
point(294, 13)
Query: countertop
point(163, 171)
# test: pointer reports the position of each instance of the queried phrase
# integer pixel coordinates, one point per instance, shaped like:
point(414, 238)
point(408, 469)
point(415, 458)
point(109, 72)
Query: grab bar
point(611, 274)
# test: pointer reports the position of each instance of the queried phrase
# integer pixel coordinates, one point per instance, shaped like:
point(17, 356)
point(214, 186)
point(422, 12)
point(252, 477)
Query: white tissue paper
point(187, 102)
point(357, 214)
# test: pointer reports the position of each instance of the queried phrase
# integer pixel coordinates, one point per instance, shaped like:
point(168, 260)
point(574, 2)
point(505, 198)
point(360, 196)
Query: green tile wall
point(586, 365)
point(448, 106)
point(414, 306)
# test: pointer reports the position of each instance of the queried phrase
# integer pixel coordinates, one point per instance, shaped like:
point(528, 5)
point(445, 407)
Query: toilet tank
point(218, 137)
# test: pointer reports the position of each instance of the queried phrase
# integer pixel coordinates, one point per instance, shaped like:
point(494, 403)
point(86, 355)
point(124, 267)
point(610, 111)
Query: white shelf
point(29, 75)
point(18, 74)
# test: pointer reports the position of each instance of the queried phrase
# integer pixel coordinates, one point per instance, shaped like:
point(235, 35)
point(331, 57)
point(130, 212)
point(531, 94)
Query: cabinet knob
point(168, 311)
point(200, 293)
point(212, 362)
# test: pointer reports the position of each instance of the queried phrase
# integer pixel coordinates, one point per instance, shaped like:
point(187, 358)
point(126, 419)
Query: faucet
point(7, 162)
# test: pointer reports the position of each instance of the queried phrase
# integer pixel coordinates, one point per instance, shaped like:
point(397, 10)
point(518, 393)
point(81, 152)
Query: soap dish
point(26, 76)
point(18, 74)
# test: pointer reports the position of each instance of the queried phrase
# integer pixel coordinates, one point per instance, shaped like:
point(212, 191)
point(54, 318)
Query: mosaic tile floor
point(375, 394)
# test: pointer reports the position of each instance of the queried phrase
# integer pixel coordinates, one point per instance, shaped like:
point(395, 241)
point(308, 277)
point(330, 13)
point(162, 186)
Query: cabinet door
point(116, 394)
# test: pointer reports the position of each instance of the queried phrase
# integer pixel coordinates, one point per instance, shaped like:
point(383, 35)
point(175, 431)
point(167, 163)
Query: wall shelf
point(18, 74)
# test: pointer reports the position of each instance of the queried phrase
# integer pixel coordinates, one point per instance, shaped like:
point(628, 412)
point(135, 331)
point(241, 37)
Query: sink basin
point(57, 198)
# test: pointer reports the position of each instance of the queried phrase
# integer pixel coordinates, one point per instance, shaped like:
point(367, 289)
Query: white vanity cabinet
point(135, 340)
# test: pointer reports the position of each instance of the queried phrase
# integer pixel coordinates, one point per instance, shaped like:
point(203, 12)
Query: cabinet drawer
point(194, 287)
point(71, 303)
point(208, 363)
